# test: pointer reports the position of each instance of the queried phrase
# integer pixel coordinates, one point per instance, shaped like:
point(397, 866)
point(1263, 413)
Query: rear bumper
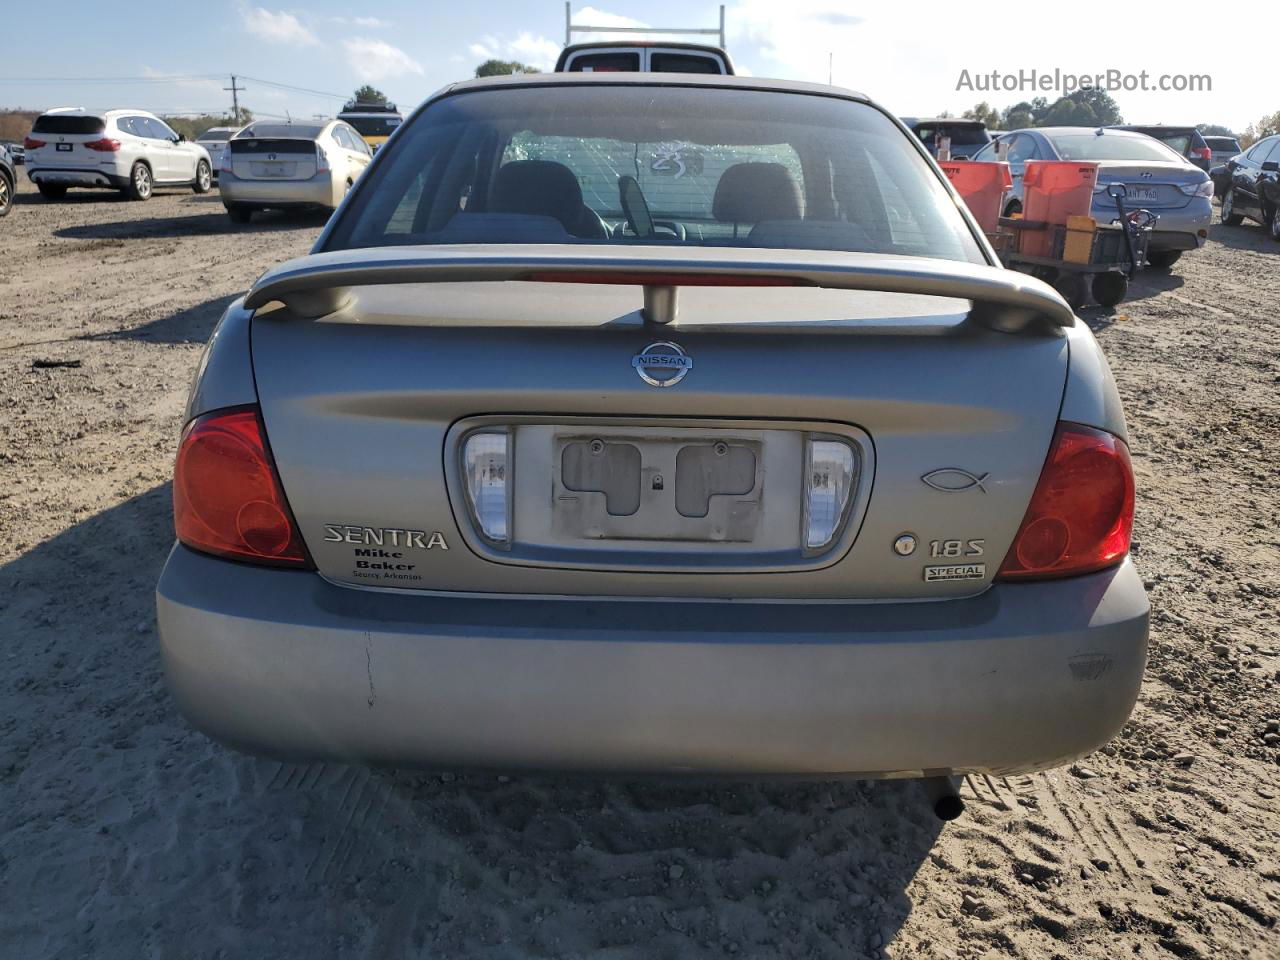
point(77, 177)
point(318, 191)
point(1178, 229)
point(282, 662)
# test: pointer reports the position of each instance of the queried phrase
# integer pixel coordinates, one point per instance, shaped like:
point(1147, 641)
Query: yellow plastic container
point(1079, 243)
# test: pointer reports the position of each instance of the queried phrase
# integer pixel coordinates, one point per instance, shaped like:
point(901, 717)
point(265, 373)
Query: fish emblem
point(954, 480)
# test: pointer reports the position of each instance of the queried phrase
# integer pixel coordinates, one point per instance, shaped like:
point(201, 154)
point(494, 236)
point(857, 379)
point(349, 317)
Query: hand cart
point(1118, 251)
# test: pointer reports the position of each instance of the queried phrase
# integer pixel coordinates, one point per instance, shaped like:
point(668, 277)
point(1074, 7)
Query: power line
point(295, 89)
point(235, 89)
point(130, 80)
point(289, 86)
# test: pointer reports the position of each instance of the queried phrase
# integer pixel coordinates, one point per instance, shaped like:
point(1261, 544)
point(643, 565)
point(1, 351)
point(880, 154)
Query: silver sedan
point(290, 165)
point(1156, 178)
point(548, 457)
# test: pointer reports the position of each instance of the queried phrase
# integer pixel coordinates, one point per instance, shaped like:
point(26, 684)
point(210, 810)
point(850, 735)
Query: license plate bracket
point(63, 147)
point(685, 488)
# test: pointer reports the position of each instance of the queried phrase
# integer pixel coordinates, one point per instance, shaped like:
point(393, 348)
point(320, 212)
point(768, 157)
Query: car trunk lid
point(616, 486)
point(63, 139)
point(276, 158)
point(1154, 186)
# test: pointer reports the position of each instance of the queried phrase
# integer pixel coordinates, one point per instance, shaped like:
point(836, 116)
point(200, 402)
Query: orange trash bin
point(982, 186)
point(1052, 191)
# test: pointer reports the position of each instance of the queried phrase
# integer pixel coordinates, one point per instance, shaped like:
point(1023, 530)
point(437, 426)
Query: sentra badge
point(384, 537)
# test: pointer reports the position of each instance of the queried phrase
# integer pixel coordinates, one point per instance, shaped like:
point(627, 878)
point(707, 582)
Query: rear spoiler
point(1003, 300)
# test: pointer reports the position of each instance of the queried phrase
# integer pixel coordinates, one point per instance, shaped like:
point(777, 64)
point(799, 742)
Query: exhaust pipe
point(944, 797)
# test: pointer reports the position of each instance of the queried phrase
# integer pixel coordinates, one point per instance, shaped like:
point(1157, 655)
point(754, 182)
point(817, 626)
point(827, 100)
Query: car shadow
point(190, 325)
point(208, 223)
point(1247, 236)
point(1150, 283)
point(31, 197)
point(109, 798)
point(1145, 284)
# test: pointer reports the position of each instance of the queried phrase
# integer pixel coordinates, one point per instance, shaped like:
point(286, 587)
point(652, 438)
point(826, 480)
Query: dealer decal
point(380, 553)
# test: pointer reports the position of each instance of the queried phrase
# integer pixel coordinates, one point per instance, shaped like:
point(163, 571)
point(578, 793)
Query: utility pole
point(235, 99)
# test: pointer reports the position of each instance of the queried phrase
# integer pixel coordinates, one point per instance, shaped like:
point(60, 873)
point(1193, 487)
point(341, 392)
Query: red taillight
point(30, 143)
point(1081, 514)
point(1204, 153)
point(226, 498)
point(105, 145)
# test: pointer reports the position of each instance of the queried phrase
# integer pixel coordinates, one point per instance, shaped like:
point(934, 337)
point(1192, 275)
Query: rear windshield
point(699, 167)
point(1223, 143)
point(961, 136)
point(241, 145)
point(373, 126)
point(75, 124)
point(684, 63)
point(605, 63)
point(307, 131)
point(1180, 140)
point(1090, 146)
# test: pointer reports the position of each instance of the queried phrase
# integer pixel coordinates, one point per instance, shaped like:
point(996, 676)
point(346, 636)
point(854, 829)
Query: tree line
point(1094, 108)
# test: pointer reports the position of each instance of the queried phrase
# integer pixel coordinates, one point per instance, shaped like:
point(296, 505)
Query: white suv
point(129, 150)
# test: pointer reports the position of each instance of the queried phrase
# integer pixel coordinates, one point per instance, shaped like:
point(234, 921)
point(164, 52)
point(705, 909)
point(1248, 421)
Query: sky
point(300, 58)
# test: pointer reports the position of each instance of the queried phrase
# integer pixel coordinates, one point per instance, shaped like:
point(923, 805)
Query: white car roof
point(115, 112)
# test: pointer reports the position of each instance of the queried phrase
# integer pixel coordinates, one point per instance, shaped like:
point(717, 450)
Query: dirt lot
point(125, 834)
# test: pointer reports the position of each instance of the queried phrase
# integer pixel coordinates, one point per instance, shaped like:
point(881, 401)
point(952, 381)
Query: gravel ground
point(125, 834)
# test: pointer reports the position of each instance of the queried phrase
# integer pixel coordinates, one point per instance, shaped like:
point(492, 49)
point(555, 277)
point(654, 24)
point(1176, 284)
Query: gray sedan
point(1156, 178)
point(679, 425)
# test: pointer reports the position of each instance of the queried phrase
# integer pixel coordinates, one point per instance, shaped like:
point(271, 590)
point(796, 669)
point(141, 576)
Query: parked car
point(1253, 188)
point(1222, 149)
point(127, 150)
point(1155, 177)
point(611, 56)
point(1221, 177)
point(967, 136)
point(8, 182)
point(1187, 142)
point(214, 140)
point(373, 121)
point(290, 165)
point(557, 453)
point(17, 153)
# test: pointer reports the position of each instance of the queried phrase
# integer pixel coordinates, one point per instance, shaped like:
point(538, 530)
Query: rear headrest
point(751, 192)
point(540, 187)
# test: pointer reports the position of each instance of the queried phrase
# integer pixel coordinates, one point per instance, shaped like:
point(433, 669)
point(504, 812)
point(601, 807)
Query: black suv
point(967, 136)
point(1184, 140)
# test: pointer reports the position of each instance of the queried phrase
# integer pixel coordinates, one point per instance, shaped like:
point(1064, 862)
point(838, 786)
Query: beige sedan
point(290, 165)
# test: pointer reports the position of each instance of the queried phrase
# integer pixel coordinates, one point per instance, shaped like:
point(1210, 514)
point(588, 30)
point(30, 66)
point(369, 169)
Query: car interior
point(597, 177)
